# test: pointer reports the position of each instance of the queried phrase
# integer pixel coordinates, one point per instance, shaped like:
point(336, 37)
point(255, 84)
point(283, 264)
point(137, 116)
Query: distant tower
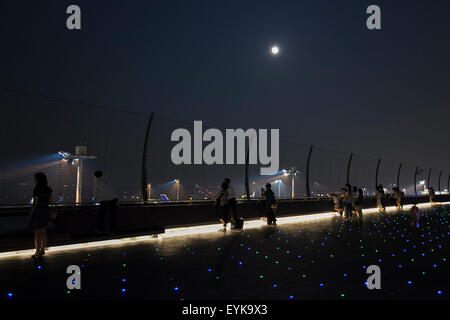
point(77, 160)
point(80, 154)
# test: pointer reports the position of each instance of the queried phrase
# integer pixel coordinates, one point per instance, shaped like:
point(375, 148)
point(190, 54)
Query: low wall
point(80, 220)
point(162, 216)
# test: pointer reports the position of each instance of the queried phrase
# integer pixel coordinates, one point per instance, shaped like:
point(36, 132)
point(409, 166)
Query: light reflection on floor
point(318, 260)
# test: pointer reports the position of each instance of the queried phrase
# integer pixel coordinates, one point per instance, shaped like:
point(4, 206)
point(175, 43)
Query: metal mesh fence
point(117, 138)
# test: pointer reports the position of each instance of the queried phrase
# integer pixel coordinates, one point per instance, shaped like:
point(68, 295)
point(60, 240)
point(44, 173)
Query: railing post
point(348, 167)
point(448, 184)
point(144, 161)
point(398, 175)
point(308, 191)
point(439, 182)
point(247, 188)
point(415, 180)
point(376, 172)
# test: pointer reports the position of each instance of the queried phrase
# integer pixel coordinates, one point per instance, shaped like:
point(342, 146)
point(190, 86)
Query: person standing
point(354, 198)
point(232, 204)
point(358, 203)
point(223, 204)
point(431, 194)
point(271, 204)
point(379, 197)
point(39, 213)
point(348, 201)
point(398, 198)
point(107, 196)
point(383, 198)
point(414, 214)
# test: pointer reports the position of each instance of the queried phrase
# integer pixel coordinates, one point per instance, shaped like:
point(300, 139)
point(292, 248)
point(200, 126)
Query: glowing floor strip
point(195, 230)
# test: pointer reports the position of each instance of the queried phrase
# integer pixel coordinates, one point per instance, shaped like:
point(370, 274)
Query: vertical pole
point(439, 182)
point(78, 199)
point(376, 173)
point(307, 171)
point(348, 167)
point(292, 182)
point(428, 179)
point(398, 175)
point(448, 184)
point(178, 190)
point(247, 187)
point(149, 192)
point(415, 180)
point(144, 162)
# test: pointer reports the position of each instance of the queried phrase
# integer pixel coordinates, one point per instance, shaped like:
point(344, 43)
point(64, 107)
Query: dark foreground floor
point(322, 260)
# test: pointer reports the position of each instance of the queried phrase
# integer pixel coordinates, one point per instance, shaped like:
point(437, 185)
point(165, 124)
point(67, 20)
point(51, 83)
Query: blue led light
point(176, 288)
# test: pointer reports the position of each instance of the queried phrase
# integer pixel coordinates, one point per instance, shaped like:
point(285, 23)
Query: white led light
point(196, 230)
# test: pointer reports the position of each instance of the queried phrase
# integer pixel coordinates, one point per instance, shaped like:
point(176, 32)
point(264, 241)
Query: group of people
point(40, 212)
point(226, 203)
point(351, 202)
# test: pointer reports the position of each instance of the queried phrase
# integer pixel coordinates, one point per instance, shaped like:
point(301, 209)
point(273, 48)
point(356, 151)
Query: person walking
point(271, 204)
point(348, 201)
point(39, 214)
point(105, 194)
point(223, 203)
point(232, 204)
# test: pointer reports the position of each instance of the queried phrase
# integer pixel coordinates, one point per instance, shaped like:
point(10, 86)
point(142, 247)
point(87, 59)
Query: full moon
point(275, 50)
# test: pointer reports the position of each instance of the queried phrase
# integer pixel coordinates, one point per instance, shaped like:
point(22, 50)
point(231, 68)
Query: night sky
point(383, 93)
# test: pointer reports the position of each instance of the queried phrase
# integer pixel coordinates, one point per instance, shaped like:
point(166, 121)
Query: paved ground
point(323, 260)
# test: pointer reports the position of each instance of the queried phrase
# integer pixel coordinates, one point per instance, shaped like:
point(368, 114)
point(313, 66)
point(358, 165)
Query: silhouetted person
point(107, 196)
point(270, 200)
point(398, 195)
point(337, 203)
point(414, 214)
point(358, 203)
point(354, 197)
point(383, 197)
point(39, 214)
point(223, 204)
point(348, 201)
point(431, 194)
point(232, 203)
point(379, 197)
